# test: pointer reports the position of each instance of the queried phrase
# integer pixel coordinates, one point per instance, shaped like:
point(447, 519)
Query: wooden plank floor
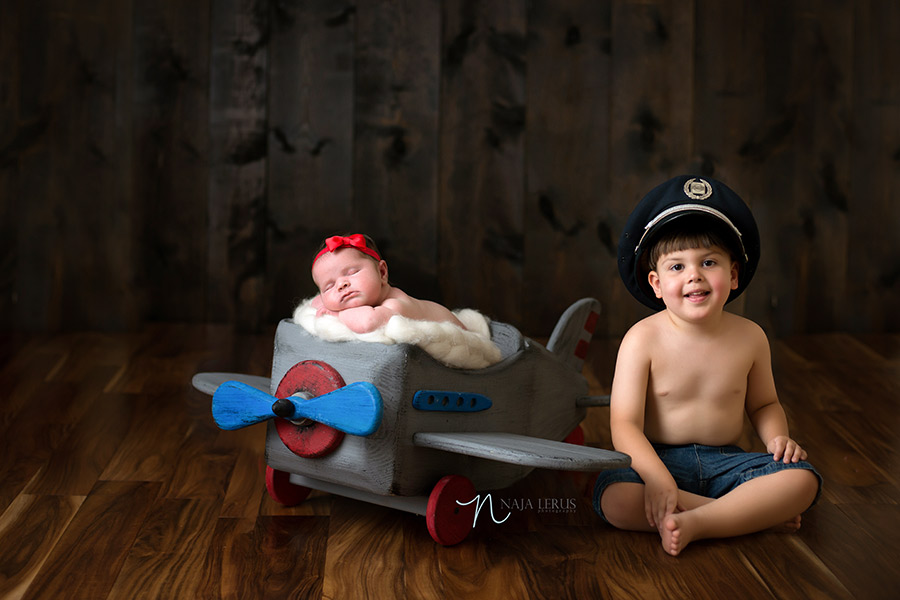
point(115, 483)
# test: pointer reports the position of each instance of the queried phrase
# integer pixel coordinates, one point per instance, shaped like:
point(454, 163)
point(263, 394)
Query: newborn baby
point(353, 286)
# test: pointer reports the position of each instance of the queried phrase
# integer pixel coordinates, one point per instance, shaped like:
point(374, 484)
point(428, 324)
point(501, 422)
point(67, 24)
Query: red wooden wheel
point(449, 522)
point(576, 436)
point(282, 491)
point(310, 439)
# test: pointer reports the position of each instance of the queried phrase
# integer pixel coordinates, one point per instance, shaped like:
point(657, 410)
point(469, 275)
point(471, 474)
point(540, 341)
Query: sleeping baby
point(353, 286)
point(356, 303)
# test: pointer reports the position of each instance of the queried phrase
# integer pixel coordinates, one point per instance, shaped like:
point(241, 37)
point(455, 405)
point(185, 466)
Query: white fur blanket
point(469, 348)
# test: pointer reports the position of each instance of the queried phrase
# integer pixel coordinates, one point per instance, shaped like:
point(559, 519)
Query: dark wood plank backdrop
point(179, 161)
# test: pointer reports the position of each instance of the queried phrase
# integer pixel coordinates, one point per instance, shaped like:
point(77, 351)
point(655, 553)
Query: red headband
point(356, 241)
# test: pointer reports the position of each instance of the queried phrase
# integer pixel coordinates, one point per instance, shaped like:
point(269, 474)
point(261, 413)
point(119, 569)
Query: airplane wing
point(209, 382)
point(524, 450)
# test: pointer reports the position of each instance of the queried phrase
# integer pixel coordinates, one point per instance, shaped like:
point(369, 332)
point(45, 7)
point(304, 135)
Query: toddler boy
point(686, 376)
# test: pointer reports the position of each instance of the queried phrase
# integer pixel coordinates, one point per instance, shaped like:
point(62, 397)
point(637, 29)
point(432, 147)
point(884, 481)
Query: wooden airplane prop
point(420, 436)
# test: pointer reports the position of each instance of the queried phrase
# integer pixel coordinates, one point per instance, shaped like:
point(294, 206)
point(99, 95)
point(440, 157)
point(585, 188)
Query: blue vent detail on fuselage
point(450, 401)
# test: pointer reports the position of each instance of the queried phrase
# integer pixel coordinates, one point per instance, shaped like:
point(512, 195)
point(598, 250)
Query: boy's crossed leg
point(768, 501)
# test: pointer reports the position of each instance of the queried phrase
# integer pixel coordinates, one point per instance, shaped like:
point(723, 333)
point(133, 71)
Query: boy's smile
point(697, 296)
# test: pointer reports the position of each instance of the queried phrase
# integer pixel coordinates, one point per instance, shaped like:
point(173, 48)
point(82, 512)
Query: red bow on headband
point(356, 241)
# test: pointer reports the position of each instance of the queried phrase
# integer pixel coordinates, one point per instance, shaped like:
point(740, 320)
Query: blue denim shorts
point(710, 471)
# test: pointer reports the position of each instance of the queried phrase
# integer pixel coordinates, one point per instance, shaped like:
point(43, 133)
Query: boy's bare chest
point(707, 373)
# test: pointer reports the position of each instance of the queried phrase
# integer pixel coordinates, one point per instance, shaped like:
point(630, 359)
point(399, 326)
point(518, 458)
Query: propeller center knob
point(283, 408)
point(286, 409)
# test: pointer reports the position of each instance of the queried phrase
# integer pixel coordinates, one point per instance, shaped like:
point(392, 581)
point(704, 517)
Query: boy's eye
point(676, 267)
point(709, 262)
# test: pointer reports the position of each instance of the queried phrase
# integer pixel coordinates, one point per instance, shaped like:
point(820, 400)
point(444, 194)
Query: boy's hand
point(785, 449)
point(660, 500)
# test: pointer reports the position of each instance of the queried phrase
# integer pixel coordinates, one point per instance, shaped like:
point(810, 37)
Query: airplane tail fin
point(572, 335)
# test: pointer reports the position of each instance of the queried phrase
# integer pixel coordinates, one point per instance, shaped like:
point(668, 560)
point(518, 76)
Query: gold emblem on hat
point(697, 189)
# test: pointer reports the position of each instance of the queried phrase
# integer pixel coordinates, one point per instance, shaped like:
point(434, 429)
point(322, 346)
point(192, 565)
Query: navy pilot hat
point(670, 204)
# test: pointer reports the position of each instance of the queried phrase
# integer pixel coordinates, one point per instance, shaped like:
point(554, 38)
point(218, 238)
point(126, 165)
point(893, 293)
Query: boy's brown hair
point(685, 238)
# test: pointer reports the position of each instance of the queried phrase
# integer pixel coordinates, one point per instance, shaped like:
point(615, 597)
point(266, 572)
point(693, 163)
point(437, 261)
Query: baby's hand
point(785, 449)
point(324, 311)
point(320, 309)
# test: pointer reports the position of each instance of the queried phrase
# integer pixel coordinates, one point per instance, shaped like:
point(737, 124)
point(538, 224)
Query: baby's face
point(347, 278)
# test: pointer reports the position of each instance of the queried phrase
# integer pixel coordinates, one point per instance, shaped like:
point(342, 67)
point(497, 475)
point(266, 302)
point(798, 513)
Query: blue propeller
point(354, 409)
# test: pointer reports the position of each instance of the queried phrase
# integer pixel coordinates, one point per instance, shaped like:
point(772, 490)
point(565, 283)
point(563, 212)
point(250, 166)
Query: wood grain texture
point(11, 133)
point(872, 559)
point(359, 537)
point(151, 440)
point(64, 139)
point(169, 550)
point(166, 161)
point(567, 209)
point(154, 501)
point(875, 121)
point(110, 517)
point(291, 547)
point(25, 127)
point(310, 181)
point(171, 155)
point(237, 204)
point(90, 175)
point(81, 456)
point(481, 228)
point(32, 526)
point(396, 133)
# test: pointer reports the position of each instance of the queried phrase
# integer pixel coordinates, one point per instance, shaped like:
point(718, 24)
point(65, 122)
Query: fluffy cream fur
point(464, 349)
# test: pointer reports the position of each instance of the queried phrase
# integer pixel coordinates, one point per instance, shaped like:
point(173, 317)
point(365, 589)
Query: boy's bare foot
point(674, 538)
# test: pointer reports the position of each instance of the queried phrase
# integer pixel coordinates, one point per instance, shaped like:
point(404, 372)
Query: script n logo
point(479, 503)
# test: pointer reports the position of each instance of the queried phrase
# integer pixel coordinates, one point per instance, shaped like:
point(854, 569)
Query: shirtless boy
point(686, 376)
point(353, 286)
